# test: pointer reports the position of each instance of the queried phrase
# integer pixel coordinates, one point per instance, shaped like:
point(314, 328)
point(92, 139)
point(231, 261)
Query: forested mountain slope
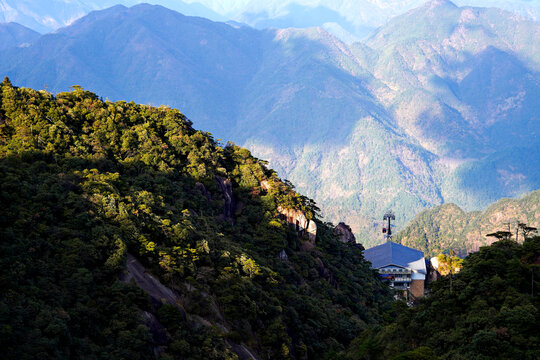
point(447, 227)
point(437, 106)
point(489, 310)
point(461, 66)
point(86, 184)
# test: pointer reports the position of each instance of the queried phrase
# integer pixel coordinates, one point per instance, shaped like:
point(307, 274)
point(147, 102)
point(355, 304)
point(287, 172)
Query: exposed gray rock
point(159, 334)
point(226, 189)
point(433, 270)
point(345, 234)
point(242, 351)
point(159, 293)
point(324, 272)
point(298, 220)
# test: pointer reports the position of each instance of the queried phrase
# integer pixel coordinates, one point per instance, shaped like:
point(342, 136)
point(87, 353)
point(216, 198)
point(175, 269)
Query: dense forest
point(97, 197)
point(87, 184)
point(489, 310)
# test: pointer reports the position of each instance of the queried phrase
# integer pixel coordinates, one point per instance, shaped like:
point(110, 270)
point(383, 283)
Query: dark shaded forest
point(85, 183)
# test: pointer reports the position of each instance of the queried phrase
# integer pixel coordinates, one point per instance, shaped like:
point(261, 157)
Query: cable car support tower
point(389, 215)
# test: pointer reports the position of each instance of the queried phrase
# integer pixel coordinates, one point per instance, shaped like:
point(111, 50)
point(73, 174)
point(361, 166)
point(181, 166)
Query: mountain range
point(439, 105)
point(13, 34)
point(47, 16)
point(347, 19)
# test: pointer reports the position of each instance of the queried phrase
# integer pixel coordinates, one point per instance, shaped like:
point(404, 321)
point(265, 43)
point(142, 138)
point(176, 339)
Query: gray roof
point(395, 254)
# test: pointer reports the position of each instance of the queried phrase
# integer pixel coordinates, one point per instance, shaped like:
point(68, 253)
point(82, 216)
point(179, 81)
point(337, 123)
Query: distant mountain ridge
point(13, 34)
point(406, 120)
point(349, 20)
point(447, 227)
point(47, 16)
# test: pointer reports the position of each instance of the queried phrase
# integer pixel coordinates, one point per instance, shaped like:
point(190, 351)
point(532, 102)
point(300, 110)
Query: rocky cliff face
point(203, 190)
point(159, 295)
point(345, 233)
point(433, 270)
point(226, 190)
point(298, 221)
point(312, 231)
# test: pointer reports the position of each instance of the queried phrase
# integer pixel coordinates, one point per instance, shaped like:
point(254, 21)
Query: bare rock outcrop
point(345, 233)
point(158, 332)
point(433, 270)
point(324, 272)
point(296, 218)
point(299, 222)
point(159, 293)
point(265, 185)
point(203, 190)
point(225, 186)
point(243, 352)
point(312, 231)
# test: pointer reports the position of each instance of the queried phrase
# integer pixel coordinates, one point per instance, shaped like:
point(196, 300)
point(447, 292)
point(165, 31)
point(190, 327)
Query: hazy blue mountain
point(302, 16)
point(465, 84)
point(43, 16)
point(349, 20)
point(13, 34)
point(145, 53)
point(528, 8)
point(438, 105)
point(460, 82)
point(512, 172)
point(354, 17)
point(46, 16)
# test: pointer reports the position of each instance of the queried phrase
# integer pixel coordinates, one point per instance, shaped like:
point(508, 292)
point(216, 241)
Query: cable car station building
point(404, 268)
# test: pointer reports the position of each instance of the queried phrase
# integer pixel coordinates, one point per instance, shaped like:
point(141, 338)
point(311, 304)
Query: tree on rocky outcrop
point(345, 233)
point(449, 263)
point(525, 230)
point(501, 235)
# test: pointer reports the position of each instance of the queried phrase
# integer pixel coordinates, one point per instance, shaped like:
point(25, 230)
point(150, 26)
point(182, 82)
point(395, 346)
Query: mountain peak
point(14, 34)
point(440, 3)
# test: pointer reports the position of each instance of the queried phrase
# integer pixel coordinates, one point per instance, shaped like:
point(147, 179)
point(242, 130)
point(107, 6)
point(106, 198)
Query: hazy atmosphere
point(270, 179)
